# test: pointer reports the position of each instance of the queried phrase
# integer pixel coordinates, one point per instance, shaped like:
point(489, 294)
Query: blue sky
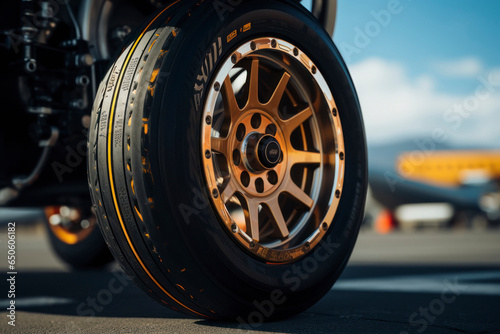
point(421, 68)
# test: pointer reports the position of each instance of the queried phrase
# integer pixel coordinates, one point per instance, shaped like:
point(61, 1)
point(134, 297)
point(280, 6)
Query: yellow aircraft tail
point(449, 168)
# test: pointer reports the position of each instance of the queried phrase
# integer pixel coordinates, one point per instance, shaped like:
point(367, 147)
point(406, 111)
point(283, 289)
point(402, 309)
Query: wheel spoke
point(219, 145)
point(275, 100)
point(277, 214)
point(253, 89)
point(299, 194)
point(303, 157)
point(251, 210)
point(295, 121)
point(228, 192)
point(230, 103)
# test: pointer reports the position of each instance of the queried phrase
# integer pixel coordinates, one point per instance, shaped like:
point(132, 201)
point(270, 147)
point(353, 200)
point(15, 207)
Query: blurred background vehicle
point(439, 189)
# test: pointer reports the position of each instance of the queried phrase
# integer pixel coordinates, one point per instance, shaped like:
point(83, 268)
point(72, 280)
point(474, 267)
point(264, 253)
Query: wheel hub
point(261, 152)
point(258, 161)
point(269, 151)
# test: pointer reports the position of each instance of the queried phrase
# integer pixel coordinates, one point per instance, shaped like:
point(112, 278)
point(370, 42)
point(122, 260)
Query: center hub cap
point(269, 151)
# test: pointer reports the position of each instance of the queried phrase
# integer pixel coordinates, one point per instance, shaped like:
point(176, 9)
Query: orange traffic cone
point(385, 222)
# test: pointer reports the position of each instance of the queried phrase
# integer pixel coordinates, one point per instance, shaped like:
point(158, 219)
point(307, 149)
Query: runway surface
point(426, 282)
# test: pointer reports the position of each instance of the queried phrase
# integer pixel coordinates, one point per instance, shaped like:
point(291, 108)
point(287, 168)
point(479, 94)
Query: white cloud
point(396, 106)
point(463, 68)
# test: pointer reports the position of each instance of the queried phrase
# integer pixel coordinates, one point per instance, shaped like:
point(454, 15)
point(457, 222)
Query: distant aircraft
point(446, 188)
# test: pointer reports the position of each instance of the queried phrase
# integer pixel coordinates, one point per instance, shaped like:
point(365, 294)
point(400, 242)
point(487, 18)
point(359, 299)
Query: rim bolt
point(324, 226)
point(208, 154)
point(307, 246)
point(215, 193)
point(295, 52)
point(341, 155)
point(234, 58)
point(234, 228)
point(253, 46)
point(252, 245)
point(208, 120)
point(337, 193)
point(217, 86)
point(334, 111)
point(274, 44)
point(314, 69)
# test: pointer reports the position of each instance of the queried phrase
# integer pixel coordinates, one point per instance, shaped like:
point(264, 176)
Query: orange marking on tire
point(232, 35)
point(138, 213)
point(154, 42)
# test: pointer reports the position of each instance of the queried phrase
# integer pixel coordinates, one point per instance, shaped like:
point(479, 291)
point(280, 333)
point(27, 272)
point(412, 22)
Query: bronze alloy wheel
point(68, 225)
point(273, 149)
point(75, 238)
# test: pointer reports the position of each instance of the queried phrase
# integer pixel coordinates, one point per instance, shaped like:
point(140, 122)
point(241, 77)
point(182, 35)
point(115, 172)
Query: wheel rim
point(68, 225)
point(274, 169)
